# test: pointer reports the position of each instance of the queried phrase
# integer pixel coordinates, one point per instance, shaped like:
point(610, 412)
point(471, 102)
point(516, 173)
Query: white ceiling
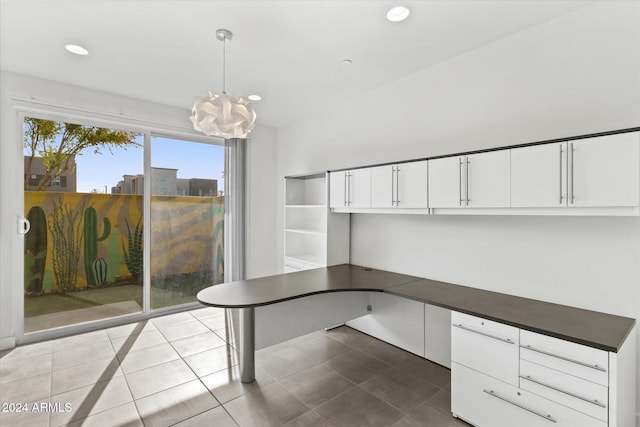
point(290, 52)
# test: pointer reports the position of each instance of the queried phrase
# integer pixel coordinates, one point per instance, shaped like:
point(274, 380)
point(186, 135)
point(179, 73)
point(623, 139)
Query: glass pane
point(187, 219)
point(82, 261)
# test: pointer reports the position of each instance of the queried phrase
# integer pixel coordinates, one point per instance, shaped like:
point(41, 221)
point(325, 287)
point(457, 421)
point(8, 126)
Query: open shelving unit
point(314, 237)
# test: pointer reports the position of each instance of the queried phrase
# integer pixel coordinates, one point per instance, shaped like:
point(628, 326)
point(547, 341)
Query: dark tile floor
point(181, 370)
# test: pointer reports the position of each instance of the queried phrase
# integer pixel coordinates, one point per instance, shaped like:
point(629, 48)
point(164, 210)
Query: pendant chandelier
point(221, 114)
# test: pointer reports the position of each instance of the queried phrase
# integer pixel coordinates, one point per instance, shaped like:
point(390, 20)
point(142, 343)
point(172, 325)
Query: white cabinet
point(486, 346)
point(605, 171)
point(398, 321)
point(403, 186)
point(539, 176)
point(313, 236)
point(446, 182)
point(485, 401)
point(601, 172)
point(350, 189)
point(474, 181)
point(505, 376)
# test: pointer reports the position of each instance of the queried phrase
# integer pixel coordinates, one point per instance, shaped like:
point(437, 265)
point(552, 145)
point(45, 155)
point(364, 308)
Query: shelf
point(305, 231)
point(307, 258)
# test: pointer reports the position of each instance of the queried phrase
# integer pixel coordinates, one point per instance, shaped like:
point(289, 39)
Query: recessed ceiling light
point(398, 13)
point(76, 49)
point(254, 97)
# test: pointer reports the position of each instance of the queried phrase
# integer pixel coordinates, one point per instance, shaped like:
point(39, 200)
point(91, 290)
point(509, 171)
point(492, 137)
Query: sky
point(192, 159)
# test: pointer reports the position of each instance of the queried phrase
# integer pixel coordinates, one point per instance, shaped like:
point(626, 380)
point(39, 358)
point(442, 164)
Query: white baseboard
point(7, 343)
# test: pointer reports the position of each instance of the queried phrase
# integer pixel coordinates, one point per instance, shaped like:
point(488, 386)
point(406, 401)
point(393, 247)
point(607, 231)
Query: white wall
point(573, 75)
point(261, 194)
point(260, 156)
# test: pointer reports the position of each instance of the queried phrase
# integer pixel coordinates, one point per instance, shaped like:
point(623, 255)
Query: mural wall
point(79, 241)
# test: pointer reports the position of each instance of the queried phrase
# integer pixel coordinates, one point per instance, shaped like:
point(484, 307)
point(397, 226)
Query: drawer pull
point(588, 365)
point(533, 411)
point(495, 337)
point(577, 396)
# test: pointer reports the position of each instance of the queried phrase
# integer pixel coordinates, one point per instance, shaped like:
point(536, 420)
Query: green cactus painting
point(35, 250)
point(66, 232)
point(99, 271)
point(133, 252)
point(91, 240)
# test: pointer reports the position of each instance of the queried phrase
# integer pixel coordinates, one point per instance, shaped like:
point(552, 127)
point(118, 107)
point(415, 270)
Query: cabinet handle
point(393, 199)
point(468, 188)
point(349, 199)
point(347, 188)
point(460, 181)
point(495, 337)
point(560, 173)
point(571, 150)
point(346, 174)
point(568, 359)
point(577, 396)
point(533, 411)
point(397, 185)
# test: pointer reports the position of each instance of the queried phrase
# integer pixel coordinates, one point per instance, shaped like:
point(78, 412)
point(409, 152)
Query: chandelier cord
point(224, 64)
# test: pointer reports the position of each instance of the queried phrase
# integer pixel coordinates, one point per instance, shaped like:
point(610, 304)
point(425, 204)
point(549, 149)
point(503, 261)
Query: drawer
point(578, 360)
point(576, 393)
point(291, 265)
point(486, 402)
point(486, 346)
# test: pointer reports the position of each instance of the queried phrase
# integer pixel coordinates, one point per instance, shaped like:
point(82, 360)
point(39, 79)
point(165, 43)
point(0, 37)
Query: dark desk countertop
point(282, 287)
point(600, 330)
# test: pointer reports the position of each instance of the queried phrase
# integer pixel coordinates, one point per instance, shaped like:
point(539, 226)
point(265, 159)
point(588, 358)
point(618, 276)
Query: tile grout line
point(126, 380)
point(198, 376)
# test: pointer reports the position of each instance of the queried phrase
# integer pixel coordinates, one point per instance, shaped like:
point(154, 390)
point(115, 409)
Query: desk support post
point(247, 345)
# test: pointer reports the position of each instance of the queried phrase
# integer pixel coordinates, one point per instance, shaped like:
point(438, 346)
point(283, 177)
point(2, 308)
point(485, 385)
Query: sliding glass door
point(78, 266)
point(87, 193)
point(187, 219)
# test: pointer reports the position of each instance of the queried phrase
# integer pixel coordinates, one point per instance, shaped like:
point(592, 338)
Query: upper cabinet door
point(604, 171)
point(411, 185)
point(539, 176)
point(488, 180)
point(383, 188)
point(337, 189)
point(359, 186)
point(401, 186)
point(446, 182)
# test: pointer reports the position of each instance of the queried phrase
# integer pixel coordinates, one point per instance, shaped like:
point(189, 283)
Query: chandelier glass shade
point(221, 114)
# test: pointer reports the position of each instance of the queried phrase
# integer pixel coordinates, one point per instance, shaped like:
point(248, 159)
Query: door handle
point(23, 225)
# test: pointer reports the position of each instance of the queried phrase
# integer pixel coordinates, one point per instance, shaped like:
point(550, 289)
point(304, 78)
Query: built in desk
point(595, 329)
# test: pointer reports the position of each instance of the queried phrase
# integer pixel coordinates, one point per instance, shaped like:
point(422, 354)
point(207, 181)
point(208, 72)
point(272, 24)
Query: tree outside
point(58, 143)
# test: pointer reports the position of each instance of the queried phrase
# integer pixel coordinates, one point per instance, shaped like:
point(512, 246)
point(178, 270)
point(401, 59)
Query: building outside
point(165, 182)
point(65, 183)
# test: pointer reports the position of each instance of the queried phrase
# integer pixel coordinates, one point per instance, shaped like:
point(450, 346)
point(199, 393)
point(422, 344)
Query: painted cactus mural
point(99, 271)
point(91, 240)
point(66, 233)
point(133, 252)
point(35, 250)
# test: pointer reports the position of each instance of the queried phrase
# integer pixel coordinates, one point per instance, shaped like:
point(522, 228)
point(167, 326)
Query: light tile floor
point(180, 370)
